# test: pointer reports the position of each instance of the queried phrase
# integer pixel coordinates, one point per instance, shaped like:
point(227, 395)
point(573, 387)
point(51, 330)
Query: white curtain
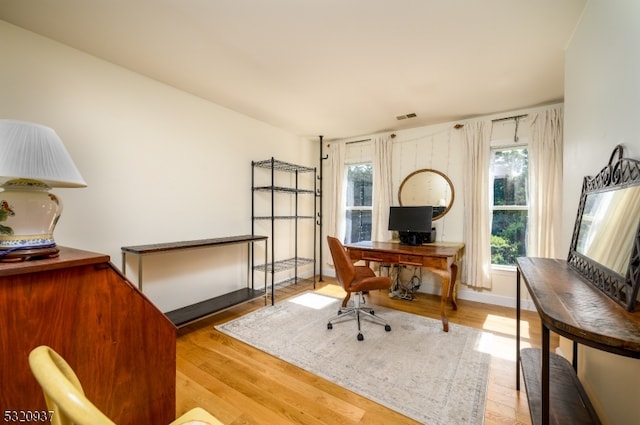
point(336, 213)
point(476, 270)
point(382, 147)
point(545, 182)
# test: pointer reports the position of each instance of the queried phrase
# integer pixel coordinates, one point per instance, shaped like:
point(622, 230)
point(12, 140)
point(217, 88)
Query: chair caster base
point(360, 337)
point(387, 328)
point(329, 326)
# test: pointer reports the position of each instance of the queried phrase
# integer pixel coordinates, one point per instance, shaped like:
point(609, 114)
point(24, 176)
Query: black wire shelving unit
point(278, 264)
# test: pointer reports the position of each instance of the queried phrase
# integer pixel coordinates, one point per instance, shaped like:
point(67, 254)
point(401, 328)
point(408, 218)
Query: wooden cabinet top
point(574, 308)
point(68, 257)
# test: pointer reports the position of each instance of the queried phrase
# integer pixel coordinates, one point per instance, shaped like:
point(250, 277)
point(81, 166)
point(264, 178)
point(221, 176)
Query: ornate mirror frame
point(621, 285)
point(438, 213)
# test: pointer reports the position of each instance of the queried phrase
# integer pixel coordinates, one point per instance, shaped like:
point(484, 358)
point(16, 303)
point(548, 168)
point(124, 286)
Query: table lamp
point(33, 159)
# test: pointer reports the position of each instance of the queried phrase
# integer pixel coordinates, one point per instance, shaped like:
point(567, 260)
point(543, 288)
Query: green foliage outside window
point(508, 237)
point(510, 169)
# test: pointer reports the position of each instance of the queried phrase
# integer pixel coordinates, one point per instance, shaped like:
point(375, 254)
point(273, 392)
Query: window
point(359, 202)
point(510, 204)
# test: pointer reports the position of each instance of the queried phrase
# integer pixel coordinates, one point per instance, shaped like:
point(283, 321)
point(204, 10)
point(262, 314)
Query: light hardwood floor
point(242, 385)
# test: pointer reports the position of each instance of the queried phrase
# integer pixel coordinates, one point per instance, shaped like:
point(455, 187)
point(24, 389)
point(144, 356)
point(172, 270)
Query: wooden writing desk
point(441, 258)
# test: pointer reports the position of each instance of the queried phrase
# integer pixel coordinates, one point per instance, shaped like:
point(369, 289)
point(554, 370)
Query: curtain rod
point(515, 117)
point(358, 141)
point(393, 136)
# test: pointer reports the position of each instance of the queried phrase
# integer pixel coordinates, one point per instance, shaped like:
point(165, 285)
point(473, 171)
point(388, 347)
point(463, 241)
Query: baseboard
point(477, 296)
point(481, 297)
point(500, 300)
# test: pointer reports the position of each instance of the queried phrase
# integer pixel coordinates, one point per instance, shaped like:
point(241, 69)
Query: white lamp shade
point(34, 151)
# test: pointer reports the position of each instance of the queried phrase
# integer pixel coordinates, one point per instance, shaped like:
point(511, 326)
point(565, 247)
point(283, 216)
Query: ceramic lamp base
point(28, 215)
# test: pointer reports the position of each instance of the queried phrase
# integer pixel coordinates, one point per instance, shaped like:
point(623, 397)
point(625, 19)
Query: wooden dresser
point(121, 346)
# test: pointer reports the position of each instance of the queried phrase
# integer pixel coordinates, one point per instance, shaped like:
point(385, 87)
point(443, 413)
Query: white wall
point(602, 101)
point(161, 165)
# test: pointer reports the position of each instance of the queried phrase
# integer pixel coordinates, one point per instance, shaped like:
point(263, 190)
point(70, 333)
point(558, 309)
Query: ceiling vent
point(404, 117)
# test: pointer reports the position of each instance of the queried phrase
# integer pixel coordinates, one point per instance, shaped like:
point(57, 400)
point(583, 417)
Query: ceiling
point(340, 68)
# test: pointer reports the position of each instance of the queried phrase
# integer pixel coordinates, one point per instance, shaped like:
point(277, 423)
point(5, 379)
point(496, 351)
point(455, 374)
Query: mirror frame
point(430, 170)
point(624, 172)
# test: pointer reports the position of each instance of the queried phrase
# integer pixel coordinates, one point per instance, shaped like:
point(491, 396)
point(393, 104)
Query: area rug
point(434, 377)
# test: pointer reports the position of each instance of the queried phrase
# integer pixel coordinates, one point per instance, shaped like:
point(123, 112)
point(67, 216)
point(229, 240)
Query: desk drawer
point(398, 258)
point(378, 257)
point(435, 262)
point(410, 260)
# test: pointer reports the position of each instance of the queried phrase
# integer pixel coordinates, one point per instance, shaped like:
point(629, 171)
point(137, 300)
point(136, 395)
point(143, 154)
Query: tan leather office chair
point(65, 397)
point(355, 279)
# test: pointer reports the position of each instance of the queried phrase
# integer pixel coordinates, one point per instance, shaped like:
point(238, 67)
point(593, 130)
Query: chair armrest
point(196, 416)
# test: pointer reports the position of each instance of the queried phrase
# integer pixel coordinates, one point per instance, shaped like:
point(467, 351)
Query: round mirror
point(427, 187)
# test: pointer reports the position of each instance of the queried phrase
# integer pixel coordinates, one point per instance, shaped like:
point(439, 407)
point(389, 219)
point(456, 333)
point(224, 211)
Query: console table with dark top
point(575, 309)
point(199, 310)
point(440, 257)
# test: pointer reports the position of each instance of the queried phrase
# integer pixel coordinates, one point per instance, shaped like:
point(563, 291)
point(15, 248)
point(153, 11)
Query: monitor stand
point(411, 238)
point(417, 238)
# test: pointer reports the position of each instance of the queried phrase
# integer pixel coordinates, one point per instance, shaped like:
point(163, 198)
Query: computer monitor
point(412, 223)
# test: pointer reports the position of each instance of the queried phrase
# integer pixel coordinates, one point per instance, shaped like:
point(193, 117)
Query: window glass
point(510, 204)
point(359, 202)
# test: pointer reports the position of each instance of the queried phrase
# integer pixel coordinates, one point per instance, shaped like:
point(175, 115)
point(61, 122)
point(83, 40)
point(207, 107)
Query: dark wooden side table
point(575, 309)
